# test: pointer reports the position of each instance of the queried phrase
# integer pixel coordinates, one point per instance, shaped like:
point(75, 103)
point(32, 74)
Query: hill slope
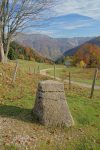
point(20, 131)
point(72, 51)
point(88, 53)
point(27, 53)
point(49, 47)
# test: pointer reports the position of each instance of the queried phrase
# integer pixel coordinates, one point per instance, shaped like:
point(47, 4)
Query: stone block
point(51, 108)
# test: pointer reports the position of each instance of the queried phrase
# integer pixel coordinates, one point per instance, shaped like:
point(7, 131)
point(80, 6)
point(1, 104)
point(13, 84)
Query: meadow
point(82, 75)
point(19, 130)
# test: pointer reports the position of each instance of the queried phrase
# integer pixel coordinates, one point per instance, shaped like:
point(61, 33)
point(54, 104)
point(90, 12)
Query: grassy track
point(19, 131)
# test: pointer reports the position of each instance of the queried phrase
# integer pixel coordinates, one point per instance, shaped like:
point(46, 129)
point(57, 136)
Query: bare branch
point(18, 15)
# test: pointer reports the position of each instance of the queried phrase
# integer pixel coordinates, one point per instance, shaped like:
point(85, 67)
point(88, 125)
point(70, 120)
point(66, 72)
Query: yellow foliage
point(82, 64)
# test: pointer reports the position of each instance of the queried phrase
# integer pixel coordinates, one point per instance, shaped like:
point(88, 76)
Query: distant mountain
point(49, 47)
point(95, 41)
point(71, 52)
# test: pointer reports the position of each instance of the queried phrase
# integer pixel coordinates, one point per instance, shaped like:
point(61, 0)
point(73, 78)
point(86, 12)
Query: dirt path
point(44, 72)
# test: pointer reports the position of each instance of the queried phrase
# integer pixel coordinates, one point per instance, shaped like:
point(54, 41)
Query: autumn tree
point(82, 64)
point(89, 54)
point(15, 16)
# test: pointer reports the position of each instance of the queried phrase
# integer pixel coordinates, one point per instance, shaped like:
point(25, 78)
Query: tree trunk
point(7, 50)
point(2, 55)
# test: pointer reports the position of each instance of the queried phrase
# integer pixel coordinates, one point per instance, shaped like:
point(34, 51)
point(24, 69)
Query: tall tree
point(16, 15)
point(1, 42)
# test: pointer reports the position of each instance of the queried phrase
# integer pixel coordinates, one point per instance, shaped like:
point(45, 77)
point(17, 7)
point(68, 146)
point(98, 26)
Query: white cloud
point(71, 27)
point(76, 26)
point(47, 32)
point(89, 8)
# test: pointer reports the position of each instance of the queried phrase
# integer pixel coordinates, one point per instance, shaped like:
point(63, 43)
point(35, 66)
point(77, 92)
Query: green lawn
point(17, 101)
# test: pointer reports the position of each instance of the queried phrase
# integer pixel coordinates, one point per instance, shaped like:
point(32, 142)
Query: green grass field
point(30, 66)
point(19, 131)
point(77, 74)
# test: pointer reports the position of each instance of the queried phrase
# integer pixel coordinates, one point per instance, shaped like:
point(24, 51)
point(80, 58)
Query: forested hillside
point(18, 51)
point(89, 54)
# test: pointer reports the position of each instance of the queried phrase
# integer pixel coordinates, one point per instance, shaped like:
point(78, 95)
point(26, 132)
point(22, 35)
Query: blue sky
point(71, 18)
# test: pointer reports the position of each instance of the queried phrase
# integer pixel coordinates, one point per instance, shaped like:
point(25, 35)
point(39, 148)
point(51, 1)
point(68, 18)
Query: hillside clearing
point(18, 129)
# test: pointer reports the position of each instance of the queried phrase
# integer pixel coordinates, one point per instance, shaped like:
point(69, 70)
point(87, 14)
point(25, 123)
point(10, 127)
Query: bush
point(12, 55)
point(82, 64)
point(21, 56)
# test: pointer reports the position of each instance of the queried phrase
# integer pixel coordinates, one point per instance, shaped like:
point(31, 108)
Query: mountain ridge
point(50, 47)
point(95, 41)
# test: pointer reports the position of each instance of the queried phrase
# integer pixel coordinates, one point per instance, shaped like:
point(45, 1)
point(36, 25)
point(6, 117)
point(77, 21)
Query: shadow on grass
point(18, 113)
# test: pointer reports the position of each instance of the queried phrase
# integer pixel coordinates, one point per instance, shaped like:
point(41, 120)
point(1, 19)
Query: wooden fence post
point(15, 72)
point(38, 69)
point(34, 70)
point(93, 84)
point(69, 80)
point(54, 71)
point(29, 69)
point(19, 73)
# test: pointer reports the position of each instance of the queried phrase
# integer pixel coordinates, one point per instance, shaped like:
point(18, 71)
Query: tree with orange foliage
point(89, 54)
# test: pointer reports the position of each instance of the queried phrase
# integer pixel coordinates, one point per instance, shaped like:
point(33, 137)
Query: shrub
point(21, 56)
point(12, 55)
